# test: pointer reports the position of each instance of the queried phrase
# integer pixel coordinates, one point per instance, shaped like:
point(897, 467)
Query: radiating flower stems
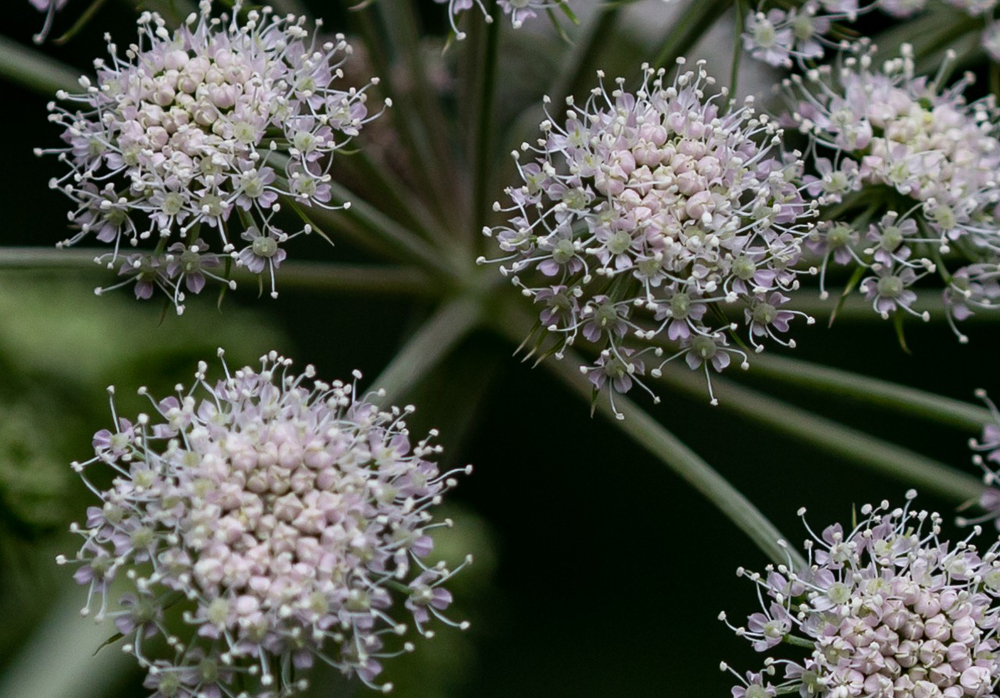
point(423, 105)
point(853, 445)
point(427, 347)
point(395, 197)
point(314, 276)
point(688, 29)
point(34, 70)
point(667, 448)
point(405, 243)
point(832, 381)
point(418, 153)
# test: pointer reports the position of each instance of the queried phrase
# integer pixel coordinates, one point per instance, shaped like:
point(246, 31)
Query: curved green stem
point(82, 22)
point(853, 445)
point(883, 393)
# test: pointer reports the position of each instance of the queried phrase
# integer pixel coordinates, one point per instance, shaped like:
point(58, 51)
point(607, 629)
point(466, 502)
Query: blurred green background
point(598, 572)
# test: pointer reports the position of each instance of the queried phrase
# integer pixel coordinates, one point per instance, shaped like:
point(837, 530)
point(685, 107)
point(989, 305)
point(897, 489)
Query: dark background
point(601, 573)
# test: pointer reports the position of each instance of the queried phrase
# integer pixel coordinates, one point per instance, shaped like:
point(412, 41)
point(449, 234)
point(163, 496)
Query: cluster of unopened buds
point(276, 518)
point(205, 127)
point(884, 609)
point(643, 214)
point(918, 164)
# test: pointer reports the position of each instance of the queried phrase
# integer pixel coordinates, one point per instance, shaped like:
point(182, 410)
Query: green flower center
point(265, 246)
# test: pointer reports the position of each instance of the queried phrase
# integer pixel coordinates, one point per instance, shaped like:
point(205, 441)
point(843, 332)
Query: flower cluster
point(918, 164)
point(646, 211)
point(885, 610)
point(781, 37)
point(519, 10)
point(219, 117)
point(276, 520)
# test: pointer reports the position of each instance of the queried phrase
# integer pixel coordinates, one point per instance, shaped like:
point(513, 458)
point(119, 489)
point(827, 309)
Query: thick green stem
point(893, 396)
point(315, 276)
point(835, 439)
point(662, 444)
point(428, 347)
point(34, 70)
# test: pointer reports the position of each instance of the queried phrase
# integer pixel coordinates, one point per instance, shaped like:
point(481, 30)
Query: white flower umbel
point(642, 212)
point(261, 523)
point(205, 127)
point(885, 609)
point(919, 162)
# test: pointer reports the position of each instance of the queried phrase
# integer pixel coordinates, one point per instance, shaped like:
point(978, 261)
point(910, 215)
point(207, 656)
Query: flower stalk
point(661, 443)
point(856, 447)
